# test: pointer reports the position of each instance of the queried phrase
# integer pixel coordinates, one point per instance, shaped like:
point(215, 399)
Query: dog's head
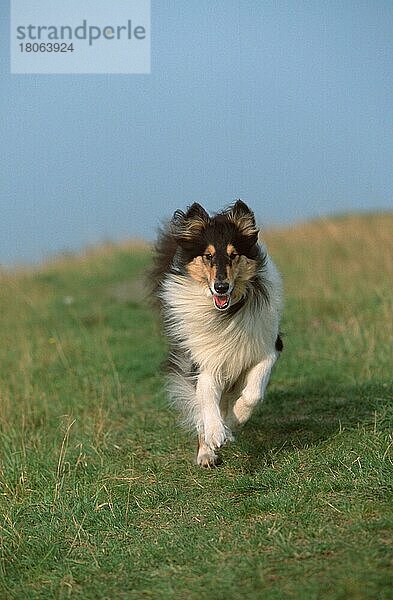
point(220, 252)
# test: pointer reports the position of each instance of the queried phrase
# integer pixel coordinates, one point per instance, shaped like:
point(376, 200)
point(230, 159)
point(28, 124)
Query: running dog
point(220, 296)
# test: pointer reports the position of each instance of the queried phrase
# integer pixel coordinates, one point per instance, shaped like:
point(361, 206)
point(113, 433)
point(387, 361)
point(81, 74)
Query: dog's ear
point(189, 225)
point(196, 212)
point(244, 220)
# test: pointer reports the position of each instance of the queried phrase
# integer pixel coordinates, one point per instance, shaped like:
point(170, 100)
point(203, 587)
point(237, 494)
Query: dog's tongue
point(220, 301)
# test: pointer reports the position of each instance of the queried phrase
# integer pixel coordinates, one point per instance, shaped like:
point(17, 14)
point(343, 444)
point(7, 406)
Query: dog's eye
point(208, 256)
point(233, 255)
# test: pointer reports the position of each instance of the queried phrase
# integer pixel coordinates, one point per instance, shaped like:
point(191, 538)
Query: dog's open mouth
point(221, 301)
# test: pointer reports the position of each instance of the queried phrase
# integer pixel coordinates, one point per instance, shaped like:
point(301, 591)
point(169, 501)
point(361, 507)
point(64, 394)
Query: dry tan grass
point(331, 255)
point(338, 275)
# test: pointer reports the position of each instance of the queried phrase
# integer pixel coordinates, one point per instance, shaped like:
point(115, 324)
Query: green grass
point(99, 494)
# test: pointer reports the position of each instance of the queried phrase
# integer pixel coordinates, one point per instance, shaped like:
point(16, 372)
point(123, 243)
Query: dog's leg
point(256, 381)
point(213, 432)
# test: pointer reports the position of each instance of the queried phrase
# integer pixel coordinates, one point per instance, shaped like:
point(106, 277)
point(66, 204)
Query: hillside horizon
point(267, 233)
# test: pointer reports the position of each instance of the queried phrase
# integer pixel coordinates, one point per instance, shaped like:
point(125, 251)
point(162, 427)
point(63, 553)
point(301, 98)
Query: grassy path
point(99, 496)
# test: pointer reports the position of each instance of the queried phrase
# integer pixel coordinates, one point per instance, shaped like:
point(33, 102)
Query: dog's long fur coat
point(220, 296)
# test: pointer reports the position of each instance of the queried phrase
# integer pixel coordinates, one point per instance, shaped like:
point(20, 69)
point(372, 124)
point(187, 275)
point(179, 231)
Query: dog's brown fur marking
point(210, 250)
point(198, 270)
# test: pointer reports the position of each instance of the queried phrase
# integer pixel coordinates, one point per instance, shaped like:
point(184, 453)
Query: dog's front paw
point(217, 435)
point(207, 458)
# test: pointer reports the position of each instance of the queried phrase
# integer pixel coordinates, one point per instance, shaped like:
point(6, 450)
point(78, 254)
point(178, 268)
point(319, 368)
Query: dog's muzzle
point(221, 295)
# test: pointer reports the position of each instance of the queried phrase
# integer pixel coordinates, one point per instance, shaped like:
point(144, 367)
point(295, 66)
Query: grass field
point(99, 494)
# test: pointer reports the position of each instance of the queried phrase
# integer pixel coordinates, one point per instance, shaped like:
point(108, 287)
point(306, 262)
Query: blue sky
point(288, 105)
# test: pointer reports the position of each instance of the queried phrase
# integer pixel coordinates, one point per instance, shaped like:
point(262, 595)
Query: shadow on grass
point(301, 417)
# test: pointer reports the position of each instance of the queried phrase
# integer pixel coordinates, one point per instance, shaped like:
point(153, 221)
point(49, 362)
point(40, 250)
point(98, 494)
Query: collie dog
point(220, 297)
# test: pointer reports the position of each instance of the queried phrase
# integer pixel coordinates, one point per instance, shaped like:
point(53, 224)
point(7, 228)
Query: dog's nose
point(221, 287)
